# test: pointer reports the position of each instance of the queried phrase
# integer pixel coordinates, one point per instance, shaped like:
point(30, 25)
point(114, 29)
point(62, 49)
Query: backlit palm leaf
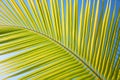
point(46, 39)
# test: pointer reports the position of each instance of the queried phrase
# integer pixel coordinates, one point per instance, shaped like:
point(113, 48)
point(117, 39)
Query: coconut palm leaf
point(29, 55)
point(53, 39)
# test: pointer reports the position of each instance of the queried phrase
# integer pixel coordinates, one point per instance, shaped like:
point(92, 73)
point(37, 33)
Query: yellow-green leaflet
point(25, 54)
point(59, 40)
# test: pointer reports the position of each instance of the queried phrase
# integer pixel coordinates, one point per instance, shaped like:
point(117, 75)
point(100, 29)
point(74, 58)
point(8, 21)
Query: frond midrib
point(67, 49)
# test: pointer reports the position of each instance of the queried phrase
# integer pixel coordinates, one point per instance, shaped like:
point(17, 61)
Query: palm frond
point(29, 55)
point(91, 36)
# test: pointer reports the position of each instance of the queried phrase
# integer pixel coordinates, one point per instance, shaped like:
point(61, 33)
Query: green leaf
point(47, 39)
point(25, 54)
